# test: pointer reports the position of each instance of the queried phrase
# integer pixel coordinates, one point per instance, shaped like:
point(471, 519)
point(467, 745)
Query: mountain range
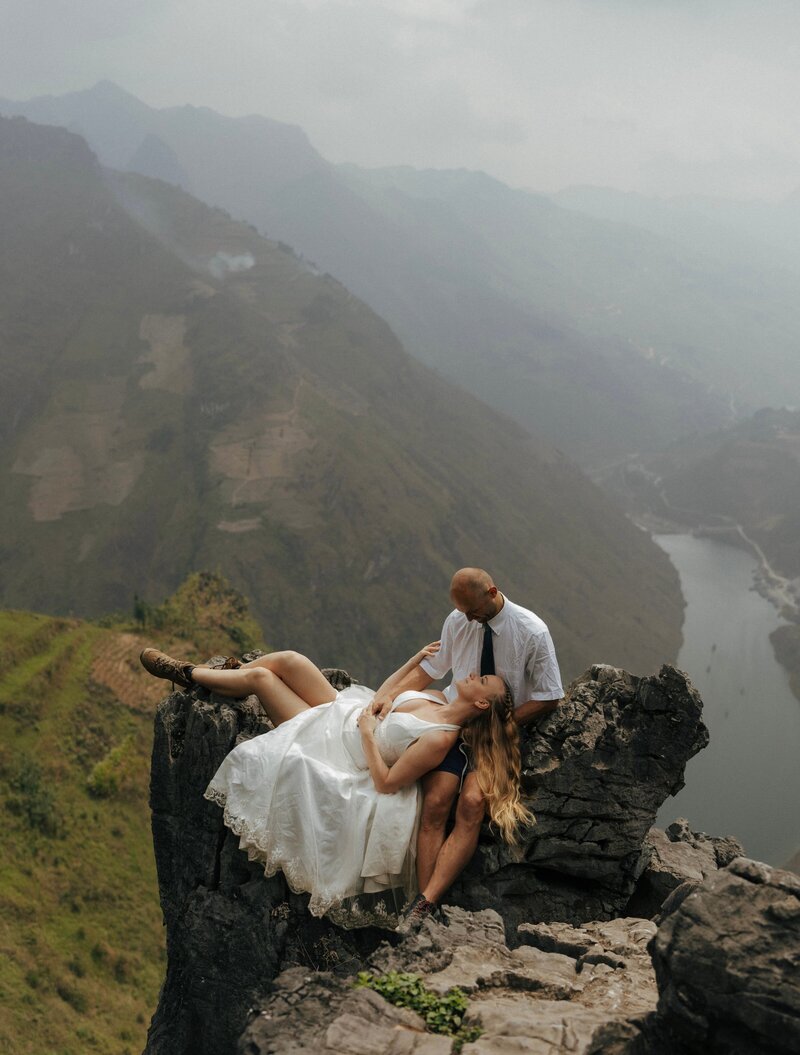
point(595, 324)
point(182, 393)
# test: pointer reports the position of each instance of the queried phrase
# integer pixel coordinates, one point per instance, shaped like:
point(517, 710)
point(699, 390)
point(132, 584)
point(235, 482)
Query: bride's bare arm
point(417, 760)
point(409, 676)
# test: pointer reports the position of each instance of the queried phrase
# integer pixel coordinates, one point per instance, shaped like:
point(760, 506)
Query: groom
point(487, 633)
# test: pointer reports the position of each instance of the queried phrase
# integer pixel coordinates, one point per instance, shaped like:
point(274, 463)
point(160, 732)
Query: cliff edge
point(596, 771)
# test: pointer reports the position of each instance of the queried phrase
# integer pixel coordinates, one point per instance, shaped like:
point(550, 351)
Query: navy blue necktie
point(487, 652)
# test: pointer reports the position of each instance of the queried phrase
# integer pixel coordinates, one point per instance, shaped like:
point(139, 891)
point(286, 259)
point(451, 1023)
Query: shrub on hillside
point(113, 774)
point(204, 609)
point(32, 798)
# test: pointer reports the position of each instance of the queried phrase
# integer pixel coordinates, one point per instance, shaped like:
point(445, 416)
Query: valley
point(160, 419)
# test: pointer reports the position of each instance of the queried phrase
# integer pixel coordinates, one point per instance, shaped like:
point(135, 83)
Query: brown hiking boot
point(160, 665)
point(415, 914)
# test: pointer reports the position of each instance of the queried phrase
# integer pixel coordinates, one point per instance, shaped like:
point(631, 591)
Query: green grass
point(81, 939)
point(82, 944)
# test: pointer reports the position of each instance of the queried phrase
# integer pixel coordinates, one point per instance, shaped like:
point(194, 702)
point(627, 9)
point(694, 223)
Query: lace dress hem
point(349, 911)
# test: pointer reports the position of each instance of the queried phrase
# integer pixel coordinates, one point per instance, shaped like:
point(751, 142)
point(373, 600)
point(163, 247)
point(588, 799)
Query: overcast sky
point(660, 96)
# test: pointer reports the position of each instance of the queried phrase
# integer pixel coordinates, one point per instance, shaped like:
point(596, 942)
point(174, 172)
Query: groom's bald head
point(470, 580)
point(474, 593)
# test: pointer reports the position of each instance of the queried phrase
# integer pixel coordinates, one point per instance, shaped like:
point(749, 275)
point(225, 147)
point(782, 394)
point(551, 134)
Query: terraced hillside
point(81, 944)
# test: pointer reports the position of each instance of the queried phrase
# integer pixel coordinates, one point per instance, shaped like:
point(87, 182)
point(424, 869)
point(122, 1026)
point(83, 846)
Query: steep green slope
point(82, 943)
point(185, 394)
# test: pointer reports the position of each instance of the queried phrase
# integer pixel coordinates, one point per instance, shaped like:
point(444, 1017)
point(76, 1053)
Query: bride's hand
point(428, 650)
point(366, 722)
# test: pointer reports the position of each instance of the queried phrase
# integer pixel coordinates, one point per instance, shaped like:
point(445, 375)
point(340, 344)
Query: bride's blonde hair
point(493, 740)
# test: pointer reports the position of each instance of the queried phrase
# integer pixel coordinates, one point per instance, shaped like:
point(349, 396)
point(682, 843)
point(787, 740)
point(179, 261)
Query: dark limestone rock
point(727, 962)
point(230, 930)
point(724, 849)
point(678, 856)
point(597, 770)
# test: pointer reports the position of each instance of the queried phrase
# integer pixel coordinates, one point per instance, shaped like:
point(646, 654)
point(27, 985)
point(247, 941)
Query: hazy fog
point(660, 96)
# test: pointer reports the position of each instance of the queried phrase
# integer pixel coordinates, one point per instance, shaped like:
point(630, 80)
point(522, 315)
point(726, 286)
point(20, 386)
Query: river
point(747, 781)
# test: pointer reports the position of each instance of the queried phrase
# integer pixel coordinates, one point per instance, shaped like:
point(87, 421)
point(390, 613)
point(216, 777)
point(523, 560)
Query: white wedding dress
point(302, 801)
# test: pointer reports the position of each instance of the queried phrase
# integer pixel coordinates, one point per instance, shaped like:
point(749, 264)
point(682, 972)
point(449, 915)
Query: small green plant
point(442, 1014)
point(114, 773)
point(141, 611)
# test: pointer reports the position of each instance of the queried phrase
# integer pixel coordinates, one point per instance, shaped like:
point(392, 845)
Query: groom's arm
point(431, 666)
point(543, 680)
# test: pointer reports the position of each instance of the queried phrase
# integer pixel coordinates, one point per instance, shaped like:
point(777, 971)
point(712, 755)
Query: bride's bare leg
point(275, 696)
point(299, 673)
point(285, 683)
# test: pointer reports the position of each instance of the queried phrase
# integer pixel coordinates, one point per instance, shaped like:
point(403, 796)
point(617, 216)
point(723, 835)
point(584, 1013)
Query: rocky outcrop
point(596, 770)
point(727, 962)
point(580, 990)
point(677, 856)
point(230, 931)
point(720, 976)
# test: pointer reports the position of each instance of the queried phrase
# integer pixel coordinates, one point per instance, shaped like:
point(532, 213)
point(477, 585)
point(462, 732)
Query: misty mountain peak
point(103, 94)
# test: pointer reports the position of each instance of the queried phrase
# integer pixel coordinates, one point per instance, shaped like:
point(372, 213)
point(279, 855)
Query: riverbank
point(781, 592)
point(740, 784)
point(739, 488)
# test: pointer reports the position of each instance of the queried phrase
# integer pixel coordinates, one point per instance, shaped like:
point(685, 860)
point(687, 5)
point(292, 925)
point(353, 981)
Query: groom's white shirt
point(523, 653)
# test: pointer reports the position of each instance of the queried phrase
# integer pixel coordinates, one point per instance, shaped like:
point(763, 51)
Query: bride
point(330, 796)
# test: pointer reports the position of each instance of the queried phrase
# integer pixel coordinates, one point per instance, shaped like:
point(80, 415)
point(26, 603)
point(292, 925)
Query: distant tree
point(142, 611)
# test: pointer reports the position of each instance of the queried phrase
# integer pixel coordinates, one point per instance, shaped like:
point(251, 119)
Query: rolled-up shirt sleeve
point(542, 676)
point(437, 666)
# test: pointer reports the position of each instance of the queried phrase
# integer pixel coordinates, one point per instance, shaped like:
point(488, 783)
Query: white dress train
point(302, 801)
